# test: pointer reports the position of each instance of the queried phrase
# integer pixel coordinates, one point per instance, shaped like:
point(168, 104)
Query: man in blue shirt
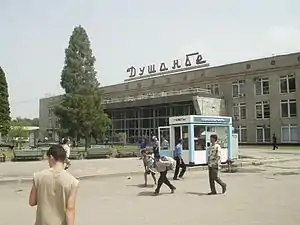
point(179, 161)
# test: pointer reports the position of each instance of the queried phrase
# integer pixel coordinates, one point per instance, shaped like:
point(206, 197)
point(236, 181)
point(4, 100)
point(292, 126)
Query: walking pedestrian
point(66, 146)
point(162, 167)
point(274, 139)
point(214, 163)
point(148, 165)
point(155, 146)
point(54, 191)
point(179, 161)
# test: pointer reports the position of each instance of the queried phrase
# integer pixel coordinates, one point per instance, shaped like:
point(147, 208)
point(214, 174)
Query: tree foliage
point(26, 122)
point(18, 133)
point(4, 105)
point(80, 112)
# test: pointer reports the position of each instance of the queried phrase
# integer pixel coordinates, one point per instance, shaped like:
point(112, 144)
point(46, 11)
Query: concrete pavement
point(22, 171)
point(260, 195)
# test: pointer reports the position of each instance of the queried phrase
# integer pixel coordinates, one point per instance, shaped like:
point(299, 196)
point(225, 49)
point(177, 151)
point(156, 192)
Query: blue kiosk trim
point(195, 132)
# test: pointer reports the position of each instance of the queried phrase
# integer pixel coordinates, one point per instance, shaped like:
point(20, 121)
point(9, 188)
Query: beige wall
point(224, 76)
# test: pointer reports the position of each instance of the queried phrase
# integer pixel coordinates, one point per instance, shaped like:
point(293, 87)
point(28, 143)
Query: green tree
point(80, 112)
point(18, 132)
point(4, 105)
point(27, 122)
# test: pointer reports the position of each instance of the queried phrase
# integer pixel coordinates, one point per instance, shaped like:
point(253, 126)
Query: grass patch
point(8, 153)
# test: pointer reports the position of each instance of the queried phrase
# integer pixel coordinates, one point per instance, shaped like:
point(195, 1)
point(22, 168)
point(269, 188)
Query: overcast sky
point(34, 34)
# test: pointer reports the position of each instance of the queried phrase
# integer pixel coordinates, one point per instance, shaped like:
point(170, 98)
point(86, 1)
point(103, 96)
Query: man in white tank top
point(66, 146)
point(54, 191)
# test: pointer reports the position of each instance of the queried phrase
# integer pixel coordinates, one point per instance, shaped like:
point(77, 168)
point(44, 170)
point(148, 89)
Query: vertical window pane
point(217, 91)
point(242, 87)
point(265, 86)
point(259, 134)
point(185, 138)
point(267, 134)
point(285, 134)
point(258, 88)
point(266, 110)
point(293, 109)
point(283, 85)
point(243, 134)
point(293, 134)
point(284, 110)
point(236, 110)
point(258, 108)
point(243, 112)
point(292, 84)
point(235, 90)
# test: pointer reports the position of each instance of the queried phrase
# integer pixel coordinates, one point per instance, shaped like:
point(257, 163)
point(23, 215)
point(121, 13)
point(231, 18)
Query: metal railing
point(156, 95)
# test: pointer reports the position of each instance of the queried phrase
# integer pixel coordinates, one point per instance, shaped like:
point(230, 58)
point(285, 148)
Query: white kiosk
point(195, 133)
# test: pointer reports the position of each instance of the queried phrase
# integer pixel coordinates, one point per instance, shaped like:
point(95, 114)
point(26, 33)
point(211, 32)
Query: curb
point(26, 180)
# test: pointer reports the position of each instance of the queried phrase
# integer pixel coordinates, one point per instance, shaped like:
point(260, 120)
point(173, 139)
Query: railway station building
point(260, 95)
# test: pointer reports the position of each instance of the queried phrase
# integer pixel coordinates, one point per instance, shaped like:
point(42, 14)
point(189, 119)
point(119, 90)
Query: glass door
point(177, 134)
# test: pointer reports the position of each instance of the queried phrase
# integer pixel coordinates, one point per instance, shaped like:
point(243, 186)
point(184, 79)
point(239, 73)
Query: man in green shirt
point(214, 164)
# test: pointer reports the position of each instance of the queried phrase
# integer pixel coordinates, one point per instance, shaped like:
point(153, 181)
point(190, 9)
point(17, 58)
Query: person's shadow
point(140, 185)
point(196, 193)
point(146, 193)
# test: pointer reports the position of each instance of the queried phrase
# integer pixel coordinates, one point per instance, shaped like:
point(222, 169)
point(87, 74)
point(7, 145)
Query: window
point(57, 123)
point(262, 110)
point(262, 86)
point(214, 89)
point(50, 123)
point(287, 84)
point(288, 108)
point(289, 133)
point(263, 133)
point(242, 133)
point(238, 88)
point(50, 112)
point(240, 111)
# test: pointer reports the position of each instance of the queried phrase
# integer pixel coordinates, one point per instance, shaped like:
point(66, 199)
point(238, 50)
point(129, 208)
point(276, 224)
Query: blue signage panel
point(212, 120)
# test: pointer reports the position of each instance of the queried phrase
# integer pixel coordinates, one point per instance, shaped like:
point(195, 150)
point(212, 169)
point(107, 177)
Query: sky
point(35, 33)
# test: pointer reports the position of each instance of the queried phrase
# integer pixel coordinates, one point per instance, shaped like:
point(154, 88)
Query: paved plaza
point(81, 168)
point(257, 195)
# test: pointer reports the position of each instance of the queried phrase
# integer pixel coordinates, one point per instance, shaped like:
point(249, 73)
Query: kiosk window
point(185, 138)
point(221, 132)
point(164, 138)
point(200, 140)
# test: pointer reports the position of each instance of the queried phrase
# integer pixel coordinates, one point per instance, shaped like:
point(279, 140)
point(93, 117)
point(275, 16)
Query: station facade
point(260, 95)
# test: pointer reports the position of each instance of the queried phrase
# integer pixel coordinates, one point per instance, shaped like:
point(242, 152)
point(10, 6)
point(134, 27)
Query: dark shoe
point(212, 193)
point(173, 190)
point(224, 188)
point(175, 178)
point(181, 177)
point(156, 192)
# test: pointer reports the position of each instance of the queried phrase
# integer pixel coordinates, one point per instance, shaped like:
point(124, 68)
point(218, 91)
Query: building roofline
point(195, 69)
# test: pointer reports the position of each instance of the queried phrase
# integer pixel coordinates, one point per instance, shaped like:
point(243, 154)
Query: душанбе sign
point(190, 60)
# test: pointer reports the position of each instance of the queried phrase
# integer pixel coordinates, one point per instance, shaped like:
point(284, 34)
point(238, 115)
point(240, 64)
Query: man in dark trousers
point(214, 164)
point(162, 167)
point(179, 161)
point(274, 140)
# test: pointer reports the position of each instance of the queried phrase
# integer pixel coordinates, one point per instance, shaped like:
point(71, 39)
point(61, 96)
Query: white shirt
point(67, 149)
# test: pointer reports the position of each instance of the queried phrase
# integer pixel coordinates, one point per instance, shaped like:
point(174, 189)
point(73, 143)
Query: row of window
point(289, 133)
point(261, 85)
point(288, 109)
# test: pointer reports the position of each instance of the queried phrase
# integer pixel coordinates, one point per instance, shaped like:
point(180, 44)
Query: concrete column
point(191, 143)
